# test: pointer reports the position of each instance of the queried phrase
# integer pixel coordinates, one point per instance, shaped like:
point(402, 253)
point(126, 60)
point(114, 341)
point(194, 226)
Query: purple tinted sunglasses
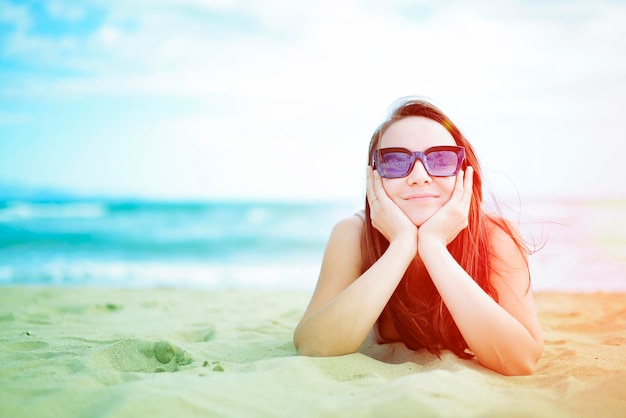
point(439, 161)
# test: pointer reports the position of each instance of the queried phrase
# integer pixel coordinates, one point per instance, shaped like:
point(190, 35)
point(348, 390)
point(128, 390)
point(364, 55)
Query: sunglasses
point(439, 161)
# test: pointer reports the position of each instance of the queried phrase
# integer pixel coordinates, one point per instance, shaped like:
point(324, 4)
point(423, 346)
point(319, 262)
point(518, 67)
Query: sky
point(243, 99)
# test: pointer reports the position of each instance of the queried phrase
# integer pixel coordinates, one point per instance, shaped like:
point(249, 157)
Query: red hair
point(416, 308)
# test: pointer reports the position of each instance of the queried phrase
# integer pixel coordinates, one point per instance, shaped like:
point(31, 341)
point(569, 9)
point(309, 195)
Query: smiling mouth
point(422, 196)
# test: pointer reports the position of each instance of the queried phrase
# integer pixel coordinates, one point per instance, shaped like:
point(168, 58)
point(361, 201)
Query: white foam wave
point(16, 211)
point(301, 276)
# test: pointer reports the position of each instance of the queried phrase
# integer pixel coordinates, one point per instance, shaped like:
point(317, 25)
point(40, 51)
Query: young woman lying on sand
point(425, 264)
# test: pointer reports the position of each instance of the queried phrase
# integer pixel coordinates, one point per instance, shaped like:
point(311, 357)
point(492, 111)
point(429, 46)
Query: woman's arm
point(504, 337)
point(346, 303)
point(345, 306)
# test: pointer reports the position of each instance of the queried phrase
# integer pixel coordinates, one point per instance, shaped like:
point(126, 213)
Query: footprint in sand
point(141, 356)
point(38, 318)
point(26, 345)
point(555, 342)
point(7, 316)
point(199, 335)
point(614, 340)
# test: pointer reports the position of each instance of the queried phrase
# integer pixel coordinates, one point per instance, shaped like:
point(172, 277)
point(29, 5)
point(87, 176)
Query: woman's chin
point(420, 217)
point(418, 212)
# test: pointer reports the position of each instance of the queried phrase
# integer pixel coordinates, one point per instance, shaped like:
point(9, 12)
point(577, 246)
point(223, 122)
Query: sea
point(142, 243)
point(578, 246)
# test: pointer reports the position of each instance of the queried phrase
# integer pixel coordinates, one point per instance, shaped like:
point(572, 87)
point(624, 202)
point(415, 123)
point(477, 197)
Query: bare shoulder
point(506, 242)
point(349, 228)
point(509, 261)
point(511, 274)
point(344, 246)
point(341, 264)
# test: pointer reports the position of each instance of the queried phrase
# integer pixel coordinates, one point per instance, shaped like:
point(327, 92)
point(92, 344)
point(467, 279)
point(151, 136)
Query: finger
point(469, 177)
point(458, 186)
point(370, 191)
point(468, 185)
point(368, 183)
point(379, 190)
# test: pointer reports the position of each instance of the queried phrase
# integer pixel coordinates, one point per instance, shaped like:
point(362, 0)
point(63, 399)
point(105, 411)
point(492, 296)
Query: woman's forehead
point(416, 133)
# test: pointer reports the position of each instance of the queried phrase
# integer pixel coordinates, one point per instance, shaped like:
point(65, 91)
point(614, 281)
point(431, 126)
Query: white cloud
point(65, 11)
point(344, 47)
point(15, 118)
point(14, 15)
point(525, 79)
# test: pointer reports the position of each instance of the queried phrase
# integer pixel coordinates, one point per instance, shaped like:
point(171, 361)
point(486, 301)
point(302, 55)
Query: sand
point(85, 352)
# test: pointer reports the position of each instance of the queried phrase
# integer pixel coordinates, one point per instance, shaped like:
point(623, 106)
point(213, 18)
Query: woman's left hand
point(452, 217)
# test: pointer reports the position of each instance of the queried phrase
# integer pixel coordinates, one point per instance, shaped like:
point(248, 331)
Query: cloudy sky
point(275, 99)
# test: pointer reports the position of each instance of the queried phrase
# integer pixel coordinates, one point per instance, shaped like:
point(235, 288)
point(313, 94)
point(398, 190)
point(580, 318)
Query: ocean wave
point(137, 230)
point(301, 276)
point(17, 211)
point(135, 243)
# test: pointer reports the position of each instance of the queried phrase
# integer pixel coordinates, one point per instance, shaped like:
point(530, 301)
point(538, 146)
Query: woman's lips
point(421, 196)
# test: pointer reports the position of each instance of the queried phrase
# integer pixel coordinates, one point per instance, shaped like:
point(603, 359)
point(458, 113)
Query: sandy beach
point(87, 352)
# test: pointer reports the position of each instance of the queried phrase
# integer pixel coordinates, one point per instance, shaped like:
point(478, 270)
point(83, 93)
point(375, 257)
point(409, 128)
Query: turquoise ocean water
point(223, 245)
point(130, 244)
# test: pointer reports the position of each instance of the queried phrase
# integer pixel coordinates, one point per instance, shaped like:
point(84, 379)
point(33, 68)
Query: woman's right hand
point(386, 216)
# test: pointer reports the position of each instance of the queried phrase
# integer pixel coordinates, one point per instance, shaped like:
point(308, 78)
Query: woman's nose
point(419, 175)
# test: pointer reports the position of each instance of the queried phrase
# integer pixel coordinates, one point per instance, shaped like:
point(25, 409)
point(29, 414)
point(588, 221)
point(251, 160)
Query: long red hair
point(416, 308)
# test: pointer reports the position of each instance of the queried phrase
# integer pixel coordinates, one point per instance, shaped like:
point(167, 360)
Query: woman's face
point(418, 195)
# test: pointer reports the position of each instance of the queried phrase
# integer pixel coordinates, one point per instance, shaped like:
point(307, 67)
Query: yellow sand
point(188, 353)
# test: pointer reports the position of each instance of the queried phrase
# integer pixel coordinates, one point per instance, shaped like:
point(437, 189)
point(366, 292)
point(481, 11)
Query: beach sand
point(85, 352)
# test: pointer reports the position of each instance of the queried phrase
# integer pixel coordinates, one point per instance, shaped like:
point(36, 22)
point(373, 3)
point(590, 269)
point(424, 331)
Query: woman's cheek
point(388, 186)
point(449, 187)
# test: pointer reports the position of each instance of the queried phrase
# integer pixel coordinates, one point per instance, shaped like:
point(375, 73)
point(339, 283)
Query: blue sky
point(209, 99)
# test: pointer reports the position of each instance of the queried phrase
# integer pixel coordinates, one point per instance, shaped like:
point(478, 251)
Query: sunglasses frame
point(420, 155)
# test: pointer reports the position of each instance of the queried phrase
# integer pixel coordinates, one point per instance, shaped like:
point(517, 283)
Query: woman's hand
point(451, 219)
point(386, 216)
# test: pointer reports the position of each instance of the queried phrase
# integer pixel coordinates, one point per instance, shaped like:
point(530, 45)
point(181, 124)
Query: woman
point(424, 265)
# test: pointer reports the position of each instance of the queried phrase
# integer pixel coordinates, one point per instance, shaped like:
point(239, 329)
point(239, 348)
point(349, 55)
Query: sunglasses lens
point(394, 164)
point(442, 163)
